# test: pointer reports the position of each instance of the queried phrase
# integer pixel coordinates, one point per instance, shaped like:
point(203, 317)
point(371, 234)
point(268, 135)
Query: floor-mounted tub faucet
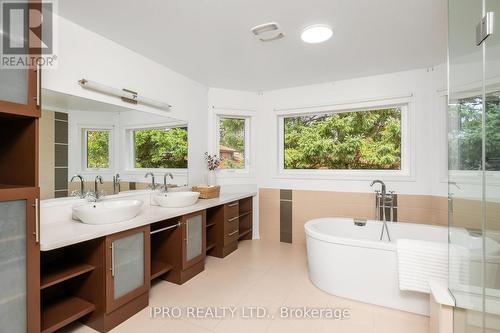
point(384, 201)
point(378, 181)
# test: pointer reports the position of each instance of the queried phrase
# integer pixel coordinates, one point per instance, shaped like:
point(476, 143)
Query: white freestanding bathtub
point(352, 262)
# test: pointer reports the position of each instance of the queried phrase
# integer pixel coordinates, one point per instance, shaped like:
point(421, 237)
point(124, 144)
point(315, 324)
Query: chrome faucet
point(116, 184)
point(378, 181)
point(81, 194)
point(153, 184)
point(165, 186)
point(97, 180)
point(384, 201)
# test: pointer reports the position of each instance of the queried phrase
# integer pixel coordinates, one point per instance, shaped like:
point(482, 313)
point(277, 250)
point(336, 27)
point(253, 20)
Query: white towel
point(421, 261)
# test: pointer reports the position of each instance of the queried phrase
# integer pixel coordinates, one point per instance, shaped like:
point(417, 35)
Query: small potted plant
point(213, 162)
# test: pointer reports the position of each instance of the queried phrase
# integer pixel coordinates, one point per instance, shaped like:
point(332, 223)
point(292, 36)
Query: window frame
point(84, 143)
point(129, 151)
point(406, 173)
point(247, 119)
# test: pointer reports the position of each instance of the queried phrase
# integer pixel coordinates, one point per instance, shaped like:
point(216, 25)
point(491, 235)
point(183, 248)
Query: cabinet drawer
point(231, 224)
point(232, 236)
point(231, 209)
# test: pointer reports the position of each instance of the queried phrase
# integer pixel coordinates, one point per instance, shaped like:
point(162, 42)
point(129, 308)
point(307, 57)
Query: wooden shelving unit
point(210, 246)
point(66, 275)
point(244, 233)
point(159, 268)
point(245, 219)
point(19, 151)
point(64, 311)
point(163, 242)
point(211, 233)
point(60, 272)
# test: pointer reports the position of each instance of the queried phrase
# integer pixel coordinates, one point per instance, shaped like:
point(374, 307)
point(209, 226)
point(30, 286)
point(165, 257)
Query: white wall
point(99, 59)
point(428, 103)
point(84, 54)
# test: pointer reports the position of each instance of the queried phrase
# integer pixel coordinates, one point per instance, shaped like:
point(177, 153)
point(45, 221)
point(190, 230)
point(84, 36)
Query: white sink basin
point(105, 212)
point(177, 199)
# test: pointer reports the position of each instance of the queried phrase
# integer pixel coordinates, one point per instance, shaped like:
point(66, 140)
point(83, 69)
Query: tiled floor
point(266, 274)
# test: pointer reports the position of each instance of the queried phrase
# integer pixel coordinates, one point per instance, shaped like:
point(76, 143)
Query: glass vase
point(211, 178)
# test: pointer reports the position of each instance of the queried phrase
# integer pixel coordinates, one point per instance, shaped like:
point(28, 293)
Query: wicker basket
point(207, 192)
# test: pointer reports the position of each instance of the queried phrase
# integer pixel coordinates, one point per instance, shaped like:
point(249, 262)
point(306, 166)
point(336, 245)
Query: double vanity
point(98, 258)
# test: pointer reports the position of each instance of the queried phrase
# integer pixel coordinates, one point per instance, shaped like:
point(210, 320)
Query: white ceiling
point(210, 40)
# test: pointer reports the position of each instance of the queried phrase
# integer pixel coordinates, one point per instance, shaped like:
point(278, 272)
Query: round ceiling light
point(317, 33)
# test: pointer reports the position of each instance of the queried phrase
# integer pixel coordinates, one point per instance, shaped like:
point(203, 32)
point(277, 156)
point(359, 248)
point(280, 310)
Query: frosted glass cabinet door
point(20, 85)
point(13, 266)
point(194, 236)
point(128, 264)
point(127, 267)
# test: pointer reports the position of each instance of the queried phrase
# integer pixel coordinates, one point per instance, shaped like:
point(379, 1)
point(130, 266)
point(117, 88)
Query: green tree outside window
point(344, 140)
point(161, 148)
point(97, 149)
point(232, 143)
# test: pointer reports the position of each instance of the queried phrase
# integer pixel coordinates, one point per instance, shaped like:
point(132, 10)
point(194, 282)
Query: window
point(160, 148)
point(348, 140)
point(97, 148)
point(466, 136)
point(233, 141)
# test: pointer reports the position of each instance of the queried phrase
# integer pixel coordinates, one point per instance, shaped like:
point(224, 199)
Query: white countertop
point(58, 229)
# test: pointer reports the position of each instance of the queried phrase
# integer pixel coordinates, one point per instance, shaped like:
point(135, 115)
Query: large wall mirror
point(84, 137)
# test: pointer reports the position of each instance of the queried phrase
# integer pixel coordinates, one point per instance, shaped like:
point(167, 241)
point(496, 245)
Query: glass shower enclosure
point(474, 164)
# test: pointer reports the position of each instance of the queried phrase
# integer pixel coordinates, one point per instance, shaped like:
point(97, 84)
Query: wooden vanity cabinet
point(227, 224)
point(181, 248)
point(127, 267)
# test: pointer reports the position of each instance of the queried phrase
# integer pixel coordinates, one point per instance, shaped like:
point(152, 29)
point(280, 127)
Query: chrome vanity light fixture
point(126, 95)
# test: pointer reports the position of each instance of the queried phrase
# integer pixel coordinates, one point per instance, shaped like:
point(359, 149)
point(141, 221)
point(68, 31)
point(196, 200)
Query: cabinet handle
point(187, 233)
point(37, 222)
point(233, 233)
point(233, 219)
point(233, 204)
point(165, 229)
point(112, 259)
point(38, 83)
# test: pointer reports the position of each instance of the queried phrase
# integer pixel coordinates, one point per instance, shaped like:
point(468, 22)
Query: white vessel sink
point(105, 212)
point(177, 199)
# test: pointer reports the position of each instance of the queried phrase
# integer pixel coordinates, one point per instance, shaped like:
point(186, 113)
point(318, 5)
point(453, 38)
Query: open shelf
point(60, 273)
point(64, 311)
point(245, 213)
point(244, 233)
point(210, 246)
point(18, 151)
point(159, 268)
point(10, 186)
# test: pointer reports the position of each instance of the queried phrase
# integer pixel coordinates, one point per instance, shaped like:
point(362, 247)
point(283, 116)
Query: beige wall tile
point(440, 203)
point(415, 201)
point(46, 155)
point(269, 214)
point(308, 205)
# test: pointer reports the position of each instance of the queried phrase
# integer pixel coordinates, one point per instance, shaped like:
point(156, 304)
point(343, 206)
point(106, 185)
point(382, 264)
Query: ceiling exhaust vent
point(267, 32)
